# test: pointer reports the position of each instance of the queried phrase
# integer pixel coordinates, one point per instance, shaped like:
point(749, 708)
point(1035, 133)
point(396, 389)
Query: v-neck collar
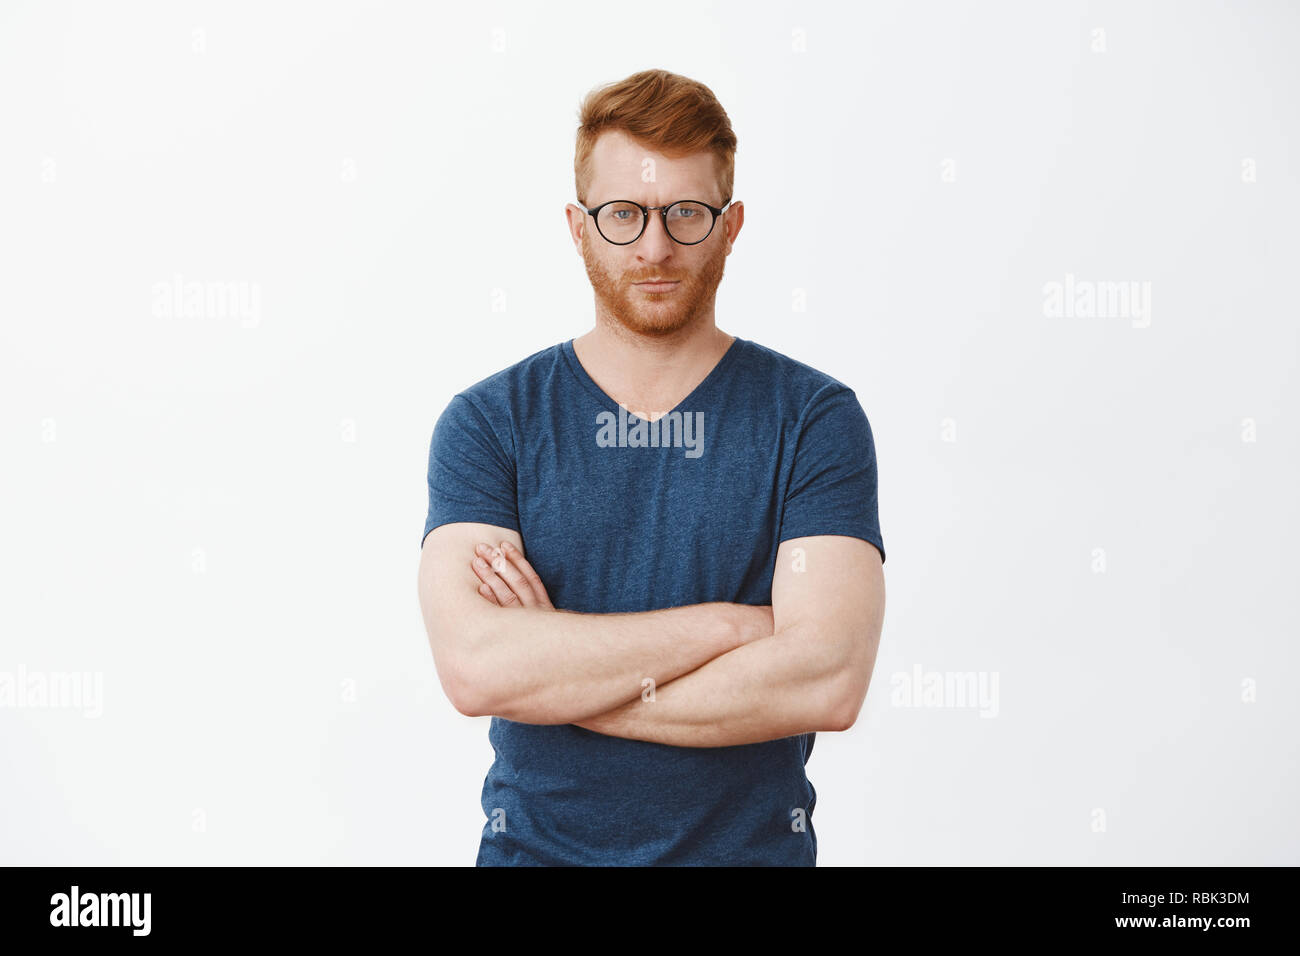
point(589, 383)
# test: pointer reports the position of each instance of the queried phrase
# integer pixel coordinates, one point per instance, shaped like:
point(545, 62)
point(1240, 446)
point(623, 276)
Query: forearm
point(555, 667)
point(775, 687)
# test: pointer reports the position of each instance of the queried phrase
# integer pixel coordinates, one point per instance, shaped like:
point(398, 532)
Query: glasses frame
point(594, 211)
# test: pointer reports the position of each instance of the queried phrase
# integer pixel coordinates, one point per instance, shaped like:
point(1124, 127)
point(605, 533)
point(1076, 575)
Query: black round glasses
point(687, 221)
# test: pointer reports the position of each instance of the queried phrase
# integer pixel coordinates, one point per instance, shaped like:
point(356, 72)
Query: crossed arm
point(811, 674)
point(707, 675)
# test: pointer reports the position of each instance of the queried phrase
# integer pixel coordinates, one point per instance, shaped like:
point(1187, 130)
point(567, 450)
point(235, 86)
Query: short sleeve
point(833, 484)
point(471, 476)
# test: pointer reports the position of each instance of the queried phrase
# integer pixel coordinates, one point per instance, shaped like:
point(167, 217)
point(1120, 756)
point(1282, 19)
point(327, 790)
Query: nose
point(654, 244)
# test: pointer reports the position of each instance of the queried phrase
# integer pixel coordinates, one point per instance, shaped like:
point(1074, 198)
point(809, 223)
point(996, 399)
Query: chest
point(633, 518)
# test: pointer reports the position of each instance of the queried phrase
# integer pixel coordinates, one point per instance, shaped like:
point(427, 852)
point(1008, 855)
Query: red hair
point(672, 114)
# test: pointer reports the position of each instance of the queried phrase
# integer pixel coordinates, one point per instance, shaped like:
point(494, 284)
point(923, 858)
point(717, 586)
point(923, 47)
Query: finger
point(486, 591)
point(534, 580)
point(500, 590)
point(510, 574)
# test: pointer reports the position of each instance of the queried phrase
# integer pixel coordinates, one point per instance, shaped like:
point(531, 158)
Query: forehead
point(623, 165)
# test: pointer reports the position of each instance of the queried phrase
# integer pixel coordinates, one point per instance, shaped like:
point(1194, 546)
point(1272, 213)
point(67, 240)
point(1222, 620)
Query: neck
point(651, 373)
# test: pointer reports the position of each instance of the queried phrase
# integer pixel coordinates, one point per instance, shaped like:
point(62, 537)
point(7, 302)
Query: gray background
point(219, 513)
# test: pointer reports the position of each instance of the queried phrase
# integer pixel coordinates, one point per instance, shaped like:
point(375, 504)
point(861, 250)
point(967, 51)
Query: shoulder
point(504, 397)
point(490, 411)
point(797, 386)
point(523, 376)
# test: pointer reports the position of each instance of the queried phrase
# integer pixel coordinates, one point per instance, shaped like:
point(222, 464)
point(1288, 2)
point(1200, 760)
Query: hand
point(508, 580)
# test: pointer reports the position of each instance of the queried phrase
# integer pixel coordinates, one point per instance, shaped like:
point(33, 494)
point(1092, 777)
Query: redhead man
point(652, 553)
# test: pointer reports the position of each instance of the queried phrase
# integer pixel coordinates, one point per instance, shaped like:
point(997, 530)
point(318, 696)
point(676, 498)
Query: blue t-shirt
point(617, 515)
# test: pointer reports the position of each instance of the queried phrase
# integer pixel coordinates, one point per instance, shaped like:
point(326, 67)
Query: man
point(658, 609)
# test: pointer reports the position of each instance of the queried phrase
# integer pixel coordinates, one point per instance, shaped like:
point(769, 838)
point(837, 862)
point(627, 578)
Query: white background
point(184, 515)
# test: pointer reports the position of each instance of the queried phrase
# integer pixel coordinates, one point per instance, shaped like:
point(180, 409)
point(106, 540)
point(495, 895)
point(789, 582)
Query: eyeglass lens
point(687, 222)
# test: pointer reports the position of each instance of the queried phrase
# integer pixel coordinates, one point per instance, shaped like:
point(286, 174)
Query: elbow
point(464, 692)
point(472, 690)
point(843, 715)
point(479, 683)
point(841, 675)
point(844, 699)
point(460, 673)
point(458, 625)
point(847, 688)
